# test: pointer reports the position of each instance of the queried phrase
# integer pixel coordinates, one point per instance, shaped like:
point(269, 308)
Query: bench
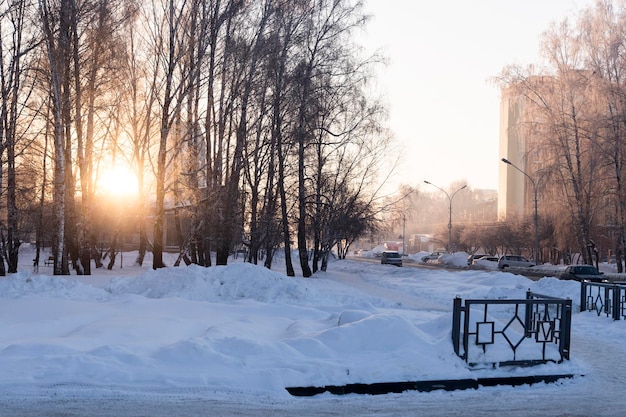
point(49, 261)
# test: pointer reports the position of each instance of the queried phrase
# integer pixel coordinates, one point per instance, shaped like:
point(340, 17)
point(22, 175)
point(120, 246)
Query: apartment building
point(513, 190)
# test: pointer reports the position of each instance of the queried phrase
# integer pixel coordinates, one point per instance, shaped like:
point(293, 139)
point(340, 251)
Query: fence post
point(528, 315)
point(583, 296)
point(466, 321)
point(565, 330)
point(617, 295)
point(456, 324)
point(607, 306)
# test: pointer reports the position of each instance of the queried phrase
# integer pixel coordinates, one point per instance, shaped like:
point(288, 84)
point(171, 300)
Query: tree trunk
point(283, 210)
point(56, 87)
point(302, 249)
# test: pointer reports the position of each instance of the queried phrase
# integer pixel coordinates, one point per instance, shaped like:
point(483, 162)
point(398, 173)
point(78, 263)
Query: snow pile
point(457, 259)
point(243, 328)
point(418, 257)
point(24, 284)
point(217, 284)
point(486, 264)
point(234, 327)
point(373, 253)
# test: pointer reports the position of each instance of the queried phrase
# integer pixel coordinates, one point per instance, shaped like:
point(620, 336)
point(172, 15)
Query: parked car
point(582, 273)
point(432, 256)
point(516, 261)
point(486, 258)
point(472, 258)
point(391, 257)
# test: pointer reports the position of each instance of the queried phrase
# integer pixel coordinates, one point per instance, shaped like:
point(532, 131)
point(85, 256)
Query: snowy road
point(581, 397)
point(597, 393)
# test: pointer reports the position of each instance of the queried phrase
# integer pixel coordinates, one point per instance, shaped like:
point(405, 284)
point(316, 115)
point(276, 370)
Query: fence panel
point(604, 298)
point(512, 332)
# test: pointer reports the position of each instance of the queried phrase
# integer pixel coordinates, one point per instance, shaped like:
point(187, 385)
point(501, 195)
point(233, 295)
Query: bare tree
point(602, 38)
point(15, 24)
point(289, 18)
point(139, 98)
point(250, 51)
point(243, 111)
point(58, 50)
point(325, 32)
point(171, 48)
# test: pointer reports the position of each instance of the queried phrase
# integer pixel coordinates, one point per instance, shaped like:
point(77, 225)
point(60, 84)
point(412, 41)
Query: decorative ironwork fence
point(512, 332)
point(604, 298)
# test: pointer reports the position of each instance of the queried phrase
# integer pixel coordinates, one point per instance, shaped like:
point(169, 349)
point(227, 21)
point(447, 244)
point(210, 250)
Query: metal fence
point(512, 332)
point(604, 298)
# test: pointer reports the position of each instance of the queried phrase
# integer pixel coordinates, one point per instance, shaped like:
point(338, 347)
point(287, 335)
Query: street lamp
point(506, 161)
point(449, 211)
point(403, 231)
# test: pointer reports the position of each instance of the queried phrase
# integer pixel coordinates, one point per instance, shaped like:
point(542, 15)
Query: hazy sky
point(443, 109)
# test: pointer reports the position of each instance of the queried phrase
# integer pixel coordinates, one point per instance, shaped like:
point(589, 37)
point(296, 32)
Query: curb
point(423, 386)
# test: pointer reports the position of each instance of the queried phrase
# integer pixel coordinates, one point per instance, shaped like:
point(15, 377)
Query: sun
point(118, 181)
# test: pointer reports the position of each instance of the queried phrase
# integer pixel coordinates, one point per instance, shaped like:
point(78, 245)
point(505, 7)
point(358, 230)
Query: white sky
point(443, 109)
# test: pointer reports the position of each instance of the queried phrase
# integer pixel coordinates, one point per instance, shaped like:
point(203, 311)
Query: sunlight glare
point(118, 181)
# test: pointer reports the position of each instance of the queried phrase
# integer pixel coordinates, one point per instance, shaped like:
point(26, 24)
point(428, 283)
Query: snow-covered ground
point(193, 341)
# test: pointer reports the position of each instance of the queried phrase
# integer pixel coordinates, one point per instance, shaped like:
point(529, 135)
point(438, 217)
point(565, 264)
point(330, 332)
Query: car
point(432, 256)
point(582, 273)
point(516, 261)
point(391, 257)
point(486, 258)
point(472, 258)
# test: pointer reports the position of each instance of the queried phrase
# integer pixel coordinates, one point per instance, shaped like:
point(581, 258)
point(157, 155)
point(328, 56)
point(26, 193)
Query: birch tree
point(58, 49)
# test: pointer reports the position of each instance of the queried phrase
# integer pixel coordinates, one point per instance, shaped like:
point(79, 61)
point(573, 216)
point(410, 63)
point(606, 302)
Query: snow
point(236, 336)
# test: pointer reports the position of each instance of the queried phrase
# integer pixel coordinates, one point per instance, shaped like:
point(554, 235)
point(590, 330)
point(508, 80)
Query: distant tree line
point(252, 120)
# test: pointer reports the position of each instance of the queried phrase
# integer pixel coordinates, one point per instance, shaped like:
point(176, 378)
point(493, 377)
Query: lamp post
point(403, 231)
point(506, 161)
point(450, 197)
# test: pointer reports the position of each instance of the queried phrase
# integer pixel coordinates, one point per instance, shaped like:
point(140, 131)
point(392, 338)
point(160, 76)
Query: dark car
point(582, 273)
point(391, 257)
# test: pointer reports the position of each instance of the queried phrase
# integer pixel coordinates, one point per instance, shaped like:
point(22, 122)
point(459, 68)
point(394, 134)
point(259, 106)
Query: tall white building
point(515, 192)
